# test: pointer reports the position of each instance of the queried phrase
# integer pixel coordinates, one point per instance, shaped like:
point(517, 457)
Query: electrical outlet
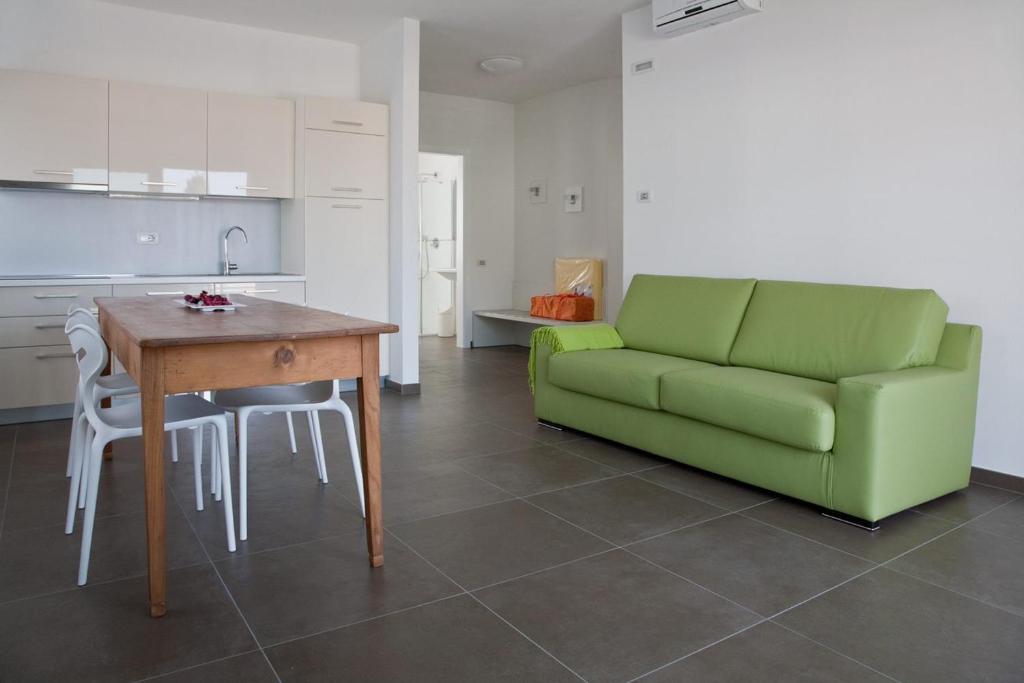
point(482, 262)
point(643, 195)
point(148, 238)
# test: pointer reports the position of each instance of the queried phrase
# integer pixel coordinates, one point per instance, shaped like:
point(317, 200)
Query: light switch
point(643, 196)
point(148, 238)
point(573, 199)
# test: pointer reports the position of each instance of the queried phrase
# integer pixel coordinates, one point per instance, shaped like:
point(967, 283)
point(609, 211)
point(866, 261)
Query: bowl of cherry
point(208, 303)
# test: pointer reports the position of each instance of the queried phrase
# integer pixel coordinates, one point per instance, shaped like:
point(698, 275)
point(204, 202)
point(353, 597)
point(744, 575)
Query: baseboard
point(404, 389)
point(36, 414)
point(1000, 480)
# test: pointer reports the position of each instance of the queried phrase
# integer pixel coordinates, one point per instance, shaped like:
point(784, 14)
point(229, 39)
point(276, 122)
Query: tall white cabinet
point(335, 231)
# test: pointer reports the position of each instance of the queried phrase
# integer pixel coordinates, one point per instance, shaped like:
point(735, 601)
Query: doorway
point(440, 238)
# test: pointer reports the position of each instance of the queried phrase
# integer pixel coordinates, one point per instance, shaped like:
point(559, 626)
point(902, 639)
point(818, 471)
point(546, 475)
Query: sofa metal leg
point(851, 520)
point(550, 425)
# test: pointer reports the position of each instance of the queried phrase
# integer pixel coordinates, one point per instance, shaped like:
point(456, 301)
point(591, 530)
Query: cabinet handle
point(56, 296)
point(165, 293)
point(260, 291)
point(258, 188)
point(45, 172)
point(346, 189)
point(345, 206)
point(158, 184)
point(346, 123)
point(50, 326)
point(48, 356)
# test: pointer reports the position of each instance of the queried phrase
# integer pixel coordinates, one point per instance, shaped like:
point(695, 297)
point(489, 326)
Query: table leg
point(108, 450)
point(368, 386)
point(152, 386)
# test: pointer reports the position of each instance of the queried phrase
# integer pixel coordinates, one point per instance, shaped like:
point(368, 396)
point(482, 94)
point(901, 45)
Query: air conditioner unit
point(672, 17)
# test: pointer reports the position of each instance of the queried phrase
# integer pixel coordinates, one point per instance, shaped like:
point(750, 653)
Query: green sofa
point(860, 400)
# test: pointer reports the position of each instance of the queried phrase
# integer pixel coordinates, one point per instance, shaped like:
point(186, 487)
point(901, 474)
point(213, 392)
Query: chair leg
point(174, 445)
point(225, 478)
point(197, 464)
point(95, 460)
point(320, 446)
point(312, 438)
point(353, 450)
point(241, 433)
point(83, 462)
point(218, 480)
point(80, 453)
point(73, 444)
point(291, 432)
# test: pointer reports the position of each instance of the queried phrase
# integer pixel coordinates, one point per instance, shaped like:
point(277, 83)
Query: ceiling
point(563, 42)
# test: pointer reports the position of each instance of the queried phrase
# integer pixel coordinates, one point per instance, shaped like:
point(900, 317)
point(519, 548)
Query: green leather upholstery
point(622, 375)
point(690, 317)
point(858, 399)
point(795, 411)
point(831, 331)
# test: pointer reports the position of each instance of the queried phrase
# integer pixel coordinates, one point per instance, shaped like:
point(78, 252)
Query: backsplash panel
point(66, 233)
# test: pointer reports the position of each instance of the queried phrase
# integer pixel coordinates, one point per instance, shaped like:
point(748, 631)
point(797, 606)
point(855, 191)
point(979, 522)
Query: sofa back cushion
point(831, 331)
point(689, 317)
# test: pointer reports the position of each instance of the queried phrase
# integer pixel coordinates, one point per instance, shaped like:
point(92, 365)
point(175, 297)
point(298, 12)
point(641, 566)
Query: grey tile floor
point(513, 553)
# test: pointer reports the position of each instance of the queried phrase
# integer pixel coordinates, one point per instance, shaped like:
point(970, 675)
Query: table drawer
point(40, 331)
point(37, 376)
point(32, 301)
point(175, 290)
point(285, 292)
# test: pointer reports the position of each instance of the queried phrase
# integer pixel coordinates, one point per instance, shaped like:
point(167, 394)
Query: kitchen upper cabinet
point(346, 165)
point(368, 118)
point(53, 129)
point(251, 146)
point(157, 139)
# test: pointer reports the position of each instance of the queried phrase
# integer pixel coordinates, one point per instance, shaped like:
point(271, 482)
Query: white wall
point(482, 131)
point(97, 39)
point(569, 137)
point(871, 142)
point(390, 74)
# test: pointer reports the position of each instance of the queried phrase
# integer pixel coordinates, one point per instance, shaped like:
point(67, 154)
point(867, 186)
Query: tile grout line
point(223, 583)
point(489, 609)
point(194, 666)
point(7, 488)
point(833, 650)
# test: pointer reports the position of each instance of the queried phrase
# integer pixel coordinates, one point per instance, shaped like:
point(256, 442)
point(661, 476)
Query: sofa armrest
point(571, 338)
point(907, 436)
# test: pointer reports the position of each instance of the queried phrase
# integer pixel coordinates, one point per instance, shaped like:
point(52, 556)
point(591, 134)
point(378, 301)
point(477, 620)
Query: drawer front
point(39, 376)
point(38, 301)
point(367, 118)
point(174, 290)
point(285, 292)
point(40, 331)
point(346, 165)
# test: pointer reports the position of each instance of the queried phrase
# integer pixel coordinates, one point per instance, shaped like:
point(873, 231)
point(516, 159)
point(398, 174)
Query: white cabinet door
point(348, 116)
point(53, 129)
point(157, 139)
point(285, 292)
point(346, 165)
point(347, 257)
point(251, 146)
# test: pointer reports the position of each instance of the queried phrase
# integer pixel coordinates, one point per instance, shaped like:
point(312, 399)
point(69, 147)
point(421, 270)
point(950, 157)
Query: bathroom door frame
point(463, 317)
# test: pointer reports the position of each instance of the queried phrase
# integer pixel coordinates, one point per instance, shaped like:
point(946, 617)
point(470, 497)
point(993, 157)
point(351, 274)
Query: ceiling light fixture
point(501, 64)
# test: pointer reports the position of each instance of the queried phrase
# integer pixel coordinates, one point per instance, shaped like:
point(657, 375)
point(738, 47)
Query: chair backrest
point(91, 356)
point(80, 316)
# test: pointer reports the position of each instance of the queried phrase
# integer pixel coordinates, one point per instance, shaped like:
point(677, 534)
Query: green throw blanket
point(572, 338)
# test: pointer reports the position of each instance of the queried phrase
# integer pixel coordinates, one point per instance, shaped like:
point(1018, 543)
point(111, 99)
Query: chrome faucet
point(229, 267)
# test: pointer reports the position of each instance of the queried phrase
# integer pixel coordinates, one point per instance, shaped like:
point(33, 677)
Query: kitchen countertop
point(128, 279)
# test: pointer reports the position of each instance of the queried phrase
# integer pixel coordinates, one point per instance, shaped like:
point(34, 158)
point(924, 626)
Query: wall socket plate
point(643, 196)
point(573, 199)
point(147, 238)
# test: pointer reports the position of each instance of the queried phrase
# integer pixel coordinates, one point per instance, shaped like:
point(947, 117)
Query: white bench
point(509, 326)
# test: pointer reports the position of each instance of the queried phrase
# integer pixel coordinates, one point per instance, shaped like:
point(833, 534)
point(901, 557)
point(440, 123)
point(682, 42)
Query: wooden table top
point(160, 322)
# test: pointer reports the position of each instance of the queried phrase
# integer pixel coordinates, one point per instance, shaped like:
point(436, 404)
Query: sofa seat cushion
point(786, 409)
point(622, 375)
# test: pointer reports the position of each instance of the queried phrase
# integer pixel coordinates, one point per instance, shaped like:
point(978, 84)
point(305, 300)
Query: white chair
point(287, 398)
point(107, 386)
point(125, 421)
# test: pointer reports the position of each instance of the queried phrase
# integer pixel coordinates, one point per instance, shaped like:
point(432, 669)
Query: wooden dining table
point(169, 349)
